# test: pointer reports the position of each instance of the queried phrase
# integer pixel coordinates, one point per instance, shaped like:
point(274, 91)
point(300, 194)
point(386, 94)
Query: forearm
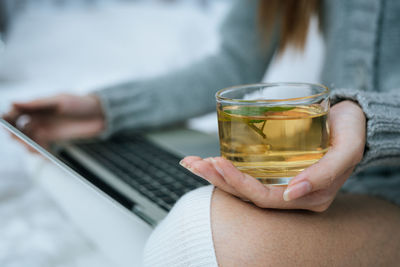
point(173, 97)
point(382, 111)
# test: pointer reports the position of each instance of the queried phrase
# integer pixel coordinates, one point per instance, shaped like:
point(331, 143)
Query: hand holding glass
point(273, 131)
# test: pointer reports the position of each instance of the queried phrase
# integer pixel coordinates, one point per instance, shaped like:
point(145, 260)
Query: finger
point(64, 104)
point(33, 130)
point(187, 161)
point(38, 105)
point(320, 200)
point(347, 140)
point(49, 129)
point(205, 169)
point(12, 116)
point(273, 199)
point(320, 175)
point(33, 107)
point(57, 129)
point(246, 185)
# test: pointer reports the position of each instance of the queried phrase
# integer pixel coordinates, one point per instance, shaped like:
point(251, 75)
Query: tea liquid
point(273, 144)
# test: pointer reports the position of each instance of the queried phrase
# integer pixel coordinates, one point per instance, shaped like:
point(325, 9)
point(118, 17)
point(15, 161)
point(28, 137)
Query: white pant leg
point(184, 237)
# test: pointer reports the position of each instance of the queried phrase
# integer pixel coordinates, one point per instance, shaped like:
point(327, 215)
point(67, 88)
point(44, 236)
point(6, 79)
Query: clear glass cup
point(273, 131)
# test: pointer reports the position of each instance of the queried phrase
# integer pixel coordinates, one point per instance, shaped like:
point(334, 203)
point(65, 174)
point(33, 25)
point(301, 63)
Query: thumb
point(319, 176)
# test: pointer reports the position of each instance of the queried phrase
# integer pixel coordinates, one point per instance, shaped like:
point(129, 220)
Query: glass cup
point(273, 131)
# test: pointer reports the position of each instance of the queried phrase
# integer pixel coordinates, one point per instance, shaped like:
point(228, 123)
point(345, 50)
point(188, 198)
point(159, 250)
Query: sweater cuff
point(125, 106)
point(107, 111)
point(382, 111)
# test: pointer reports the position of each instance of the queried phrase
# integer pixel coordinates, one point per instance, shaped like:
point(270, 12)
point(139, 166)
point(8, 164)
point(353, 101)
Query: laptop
point(137, 172)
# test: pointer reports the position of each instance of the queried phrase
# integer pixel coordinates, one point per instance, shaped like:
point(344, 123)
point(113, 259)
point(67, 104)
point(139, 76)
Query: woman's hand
point(58, 118)
point(314, 188)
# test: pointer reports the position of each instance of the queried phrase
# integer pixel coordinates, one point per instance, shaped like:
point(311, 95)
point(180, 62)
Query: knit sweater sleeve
point(242, 58)
point(382, 111)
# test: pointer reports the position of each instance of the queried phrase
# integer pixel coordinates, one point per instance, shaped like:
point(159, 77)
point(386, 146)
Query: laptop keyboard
point(148, 168)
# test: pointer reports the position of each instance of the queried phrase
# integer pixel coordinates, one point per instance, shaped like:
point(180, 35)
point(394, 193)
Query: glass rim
point(221, 98)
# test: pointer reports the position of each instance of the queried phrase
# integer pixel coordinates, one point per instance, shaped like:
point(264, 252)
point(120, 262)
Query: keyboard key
point(149, 169)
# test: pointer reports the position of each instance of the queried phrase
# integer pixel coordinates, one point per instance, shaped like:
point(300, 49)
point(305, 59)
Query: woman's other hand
point(314, 188)
point(61, 117)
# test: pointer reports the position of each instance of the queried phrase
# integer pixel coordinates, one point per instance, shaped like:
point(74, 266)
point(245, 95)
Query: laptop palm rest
point(186, 142)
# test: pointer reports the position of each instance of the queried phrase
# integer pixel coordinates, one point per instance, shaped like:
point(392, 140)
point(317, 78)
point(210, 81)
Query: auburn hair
point(293, 18)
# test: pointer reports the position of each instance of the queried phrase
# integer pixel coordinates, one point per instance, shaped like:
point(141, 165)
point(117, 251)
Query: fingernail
point(217, 168)
point(297, 190)
point(191, 169)
point(185, 165)
point(182, 163)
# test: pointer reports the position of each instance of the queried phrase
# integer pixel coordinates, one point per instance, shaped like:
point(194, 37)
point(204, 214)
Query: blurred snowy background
point(75, 46)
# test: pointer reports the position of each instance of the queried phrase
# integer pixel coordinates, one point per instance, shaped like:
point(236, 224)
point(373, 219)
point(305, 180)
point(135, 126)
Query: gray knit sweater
point(362, 63)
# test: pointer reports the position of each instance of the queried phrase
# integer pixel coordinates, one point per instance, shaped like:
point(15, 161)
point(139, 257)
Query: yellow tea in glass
point(273, 131)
